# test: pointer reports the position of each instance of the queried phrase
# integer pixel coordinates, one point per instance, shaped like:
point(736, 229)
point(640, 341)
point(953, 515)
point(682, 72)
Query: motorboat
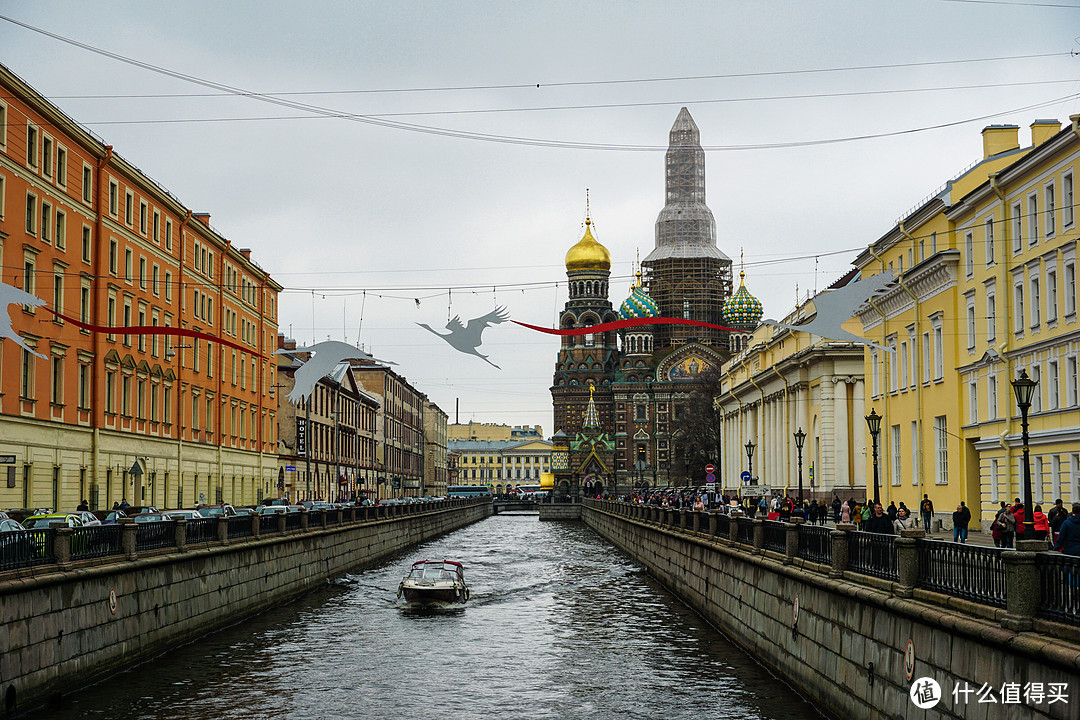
point(434, 581)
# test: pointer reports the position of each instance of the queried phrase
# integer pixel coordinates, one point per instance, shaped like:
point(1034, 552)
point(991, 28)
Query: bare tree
point(696, 429)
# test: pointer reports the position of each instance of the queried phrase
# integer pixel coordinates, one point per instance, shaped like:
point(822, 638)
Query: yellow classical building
point(985, 286)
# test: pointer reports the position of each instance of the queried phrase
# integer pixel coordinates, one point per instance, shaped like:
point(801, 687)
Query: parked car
point(215, 510)
point(89, 519)
point(244, 511)
point(133, 510)
point(272, 510)
point(44, 521)
point(17, 547)
point(151, 517)
point(186, 514)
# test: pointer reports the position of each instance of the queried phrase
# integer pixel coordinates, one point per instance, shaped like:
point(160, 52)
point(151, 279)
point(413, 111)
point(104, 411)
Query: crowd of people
point(1059, 528)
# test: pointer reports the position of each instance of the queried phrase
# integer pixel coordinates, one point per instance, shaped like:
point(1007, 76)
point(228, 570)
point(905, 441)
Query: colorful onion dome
point(639, 304)
point(743, 310)
point(588, 254)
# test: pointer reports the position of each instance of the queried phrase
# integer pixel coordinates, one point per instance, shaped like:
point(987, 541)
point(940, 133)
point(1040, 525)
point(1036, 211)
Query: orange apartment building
point(169, 421)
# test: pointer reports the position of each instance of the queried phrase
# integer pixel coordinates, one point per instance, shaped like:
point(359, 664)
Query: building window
point(926, 357)
point(916, 469)
point(970, 299)
point(142, 273)
point(31, 146)
point(1018, 229)
point(129, 209)
point(991, 398)
point(890, 360)
point(29, 274)
point(113, 256)
point(1035, 299)
point(1067, 210)
point(875, 373)
point(84, 302)
point(1070, 287)
point(1018, 306)
point(969, 252)
point(61, 230)
point(46, 222)
point(127, 265)
point(1048, 197)
point(990, 242)
point(941, 450)
point(168, 234)
point(31, 214)
point(84, 386)
point(973, 402)
point(1052, 389)
point(58, 289)
point(1033, 219)
point(142, 218)
point(1071, 399)
point(939, 350)
point(991, 317)
point(86, 243)
point(904, 365)
point(896, 469)
point(61, 167)
point(46, 155)
point(87, 184)
point(114, 203)
point(57, 380)
point(168, 286)
point(27, 384)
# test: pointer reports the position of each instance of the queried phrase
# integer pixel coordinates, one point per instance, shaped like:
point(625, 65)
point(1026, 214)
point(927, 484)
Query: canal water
point(560, 625)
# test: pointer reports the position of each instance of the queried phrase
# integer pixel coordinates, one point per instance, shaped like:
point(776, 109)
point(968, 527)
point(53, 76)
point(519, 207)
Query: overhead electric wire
point(489, 137)
point(575, 83)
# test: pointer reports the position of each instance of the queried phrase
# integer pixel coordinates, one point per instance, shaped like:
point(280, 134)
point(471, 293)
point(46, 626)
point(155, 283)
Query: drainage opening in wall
point(9, 700)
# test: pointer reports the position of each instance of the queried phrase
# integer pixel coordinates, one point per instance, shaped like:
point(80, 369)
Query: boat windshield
point(434, 572)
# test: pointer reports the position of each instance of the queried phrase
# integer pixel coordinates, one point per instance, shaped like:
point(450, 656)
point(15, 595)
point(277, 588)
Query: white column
point(841, 436)
point(858, 430)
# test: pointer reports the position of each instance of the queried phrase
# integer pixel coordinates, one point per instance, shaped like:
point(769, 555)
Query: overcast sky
point(359, 220)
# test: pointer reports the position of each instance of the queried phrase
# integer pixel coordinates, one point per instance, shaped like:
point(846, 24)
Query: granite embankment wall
point(846, 652)
point(61, 629)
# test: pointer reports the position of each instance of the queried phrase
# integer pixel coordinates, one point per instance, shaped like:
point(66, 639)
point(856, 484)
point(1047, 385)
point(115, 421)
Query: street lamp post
point(750, 458)
point(800, 438)
point(873, 421)
point(1024, 388)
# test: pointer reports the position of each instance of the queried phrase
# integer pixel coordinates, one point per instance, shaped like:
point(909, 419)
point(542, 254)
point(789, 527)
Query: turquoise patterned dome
point(742, 310)
point(639, 305)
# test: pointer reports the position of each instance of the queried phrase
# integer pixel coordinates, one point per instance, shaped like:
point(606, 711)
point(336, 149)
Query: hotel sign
point(301, 437)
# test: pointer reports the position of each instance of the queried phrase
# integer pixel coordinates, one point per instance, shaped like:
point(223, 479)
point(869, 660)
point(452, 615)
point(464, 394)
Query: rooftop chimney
point(1043, 130)
point(204, 218)
point(1000, 138)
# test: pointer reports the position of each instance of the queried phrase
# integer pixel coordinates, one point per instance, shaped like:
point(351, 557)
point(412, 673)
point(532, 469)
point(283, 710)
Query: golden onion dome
point(588, 254)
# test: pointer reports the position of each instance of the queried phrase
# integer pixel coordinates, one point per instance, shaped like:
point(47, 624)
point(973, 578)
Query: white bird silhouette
point(466, 338)
point(834, 307)
point(327, 355)
point(14, 296)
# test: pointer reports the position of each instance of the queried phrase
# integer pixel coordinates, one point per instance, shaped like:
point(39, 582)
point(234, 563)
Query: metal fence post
point(840, 548)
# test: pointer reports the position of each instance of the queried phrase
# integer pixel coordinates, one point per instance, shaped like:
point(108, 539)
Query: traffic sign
point(745, 476)
point(710, 478)
point(710, 487)
point(710, 469)
point(290, 468)
point(755, 489)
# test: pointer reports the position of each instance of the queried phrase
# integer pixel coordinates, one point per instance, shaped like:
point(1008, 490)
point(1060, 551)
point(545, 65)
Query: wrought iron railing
point(1059, 577)
point(961, 570)
point(25, 548)
point(723, 525)
point(268, 524)
point(815, 544)
point(96, 541)
point(292, 520)
point(240, 526)
point(203, 530)
point(745, 533)
point(155, 535)
point(872, 554)
point(775, 536)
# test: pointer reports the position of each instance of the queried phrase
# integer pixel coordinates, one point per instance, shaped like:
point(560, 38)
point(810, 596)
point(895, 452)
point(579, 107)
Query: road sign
point(745, 476)
point(755, 489)
point(710, 487)
point(290, 468)
point(7, 459)
point(710, 478)
point(710, 469)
